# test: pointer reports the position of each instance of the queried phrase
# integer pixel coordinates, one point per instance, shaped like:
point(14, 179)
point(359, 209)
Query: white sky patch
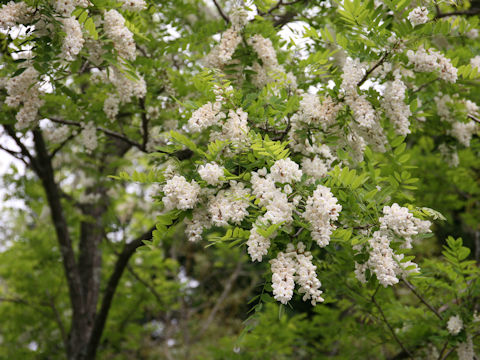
point(294, 33)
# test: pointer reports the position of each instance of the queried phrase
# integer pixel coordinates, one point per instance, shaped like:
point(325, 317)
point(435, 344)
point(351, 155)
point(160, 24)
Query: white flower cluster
point(383, 261)
point(403, 223)
point(239, 18)
point(455, 325)
point(223, 52)
point(285, 171)
point(133, 5)
point(205, 116)
point(279, 209)
point(88, 137)
point(295, 266)
point(211, 173)
point(395, 107)
point(66, 7)
point(270, 70)
point(475, 62)
point(257, 245)
point(126, 90)
point(463, 132)
point(13, 13)
point(229, 205)
point(194, 227)
point(235, 128)
point(115, 29)
point(180, 194)
point(418, 16)
point(73, 42)
point(313, 112)
point(58, 134)
point(432, 61)
point(366, 129)
point(320, 211)
point(111, 106)
point(319, 166)
point(24, 89)
point(449, 155)
point(465, 350)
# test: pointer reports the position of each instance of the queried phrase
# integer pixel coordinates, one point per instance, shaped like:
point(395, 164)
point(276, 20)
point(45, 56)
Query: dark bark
point(120, 265)
point(43, 166)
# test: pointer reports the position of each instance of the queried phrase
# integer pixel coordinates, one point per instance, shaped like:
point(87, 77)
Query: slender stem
point(389, 326)
point(220, 11)
point(367, 74)
point(422, 299)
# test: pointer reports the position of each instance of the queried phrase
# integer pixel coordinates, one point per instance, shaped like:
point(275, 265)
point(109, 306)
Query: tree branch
point(220, 11)
point(420, 297)
point(112, 284)
point(389, 326)
point(105, 131)
point(367, 74)
point(469, 12)
point(45, 173)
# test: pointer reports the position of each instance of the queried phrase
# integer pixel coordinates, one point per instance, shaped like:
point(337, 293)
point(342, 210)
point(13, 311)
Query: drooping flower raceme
point(295, 265)
point(418, 16)
point(211, 173)
point(24, 89)
point(180, 194)
point(114, 26)
point(455, 325)
point(73, 42)
point(432, 61)
point(320, 211)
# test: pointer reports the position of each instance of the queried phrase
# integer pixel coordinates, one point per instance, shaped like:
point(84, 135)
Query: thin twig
point(474, 118)
point(367, 74)
point(105, 131)
point(220, 11)
point(421, 298)
point(389, 326)
point(469, 12)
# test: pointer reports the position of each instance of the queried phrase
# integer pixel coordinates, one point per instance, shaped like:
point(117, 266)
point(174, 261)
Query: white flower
point(66, 7)
point(283, 283)
point(285, 171)
point(321, 210)
point(133, 5)
point(194, 227)
point(229, 205)
point(211, 173)
point(418, 16)
point(403, 223)
point(257, 245)
point(395, 107)
point(111, 106)
point(295, 266)
point(56, 134)
point(465, 350)
point(463, 132)
point(13, 13)
point(432, 61)
point(475, 62)
point(455, 325)
point(25, 89)
point(382, 260)
point(207, 115)
point(222, 53)
point(73, 42)
point(180, 194)
point(115, 29)
point(88, 137)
